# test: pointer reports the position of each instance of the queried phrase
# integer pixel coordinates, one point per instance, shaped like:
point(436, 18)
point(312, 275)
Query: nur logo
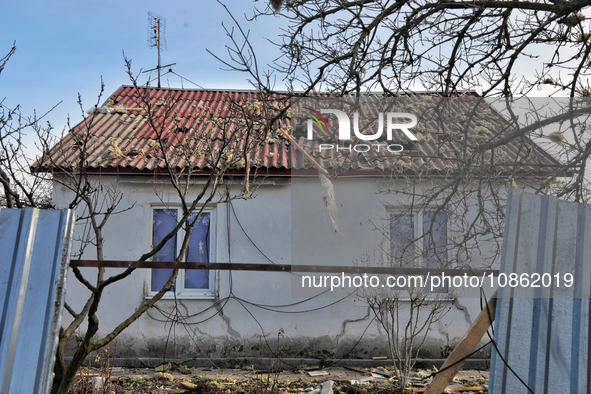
point(345, 129)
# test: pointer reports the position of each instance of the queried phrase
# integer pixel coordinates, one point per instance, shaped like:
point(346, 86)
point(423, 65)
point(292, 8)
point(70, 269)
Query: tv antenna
point(156, 30)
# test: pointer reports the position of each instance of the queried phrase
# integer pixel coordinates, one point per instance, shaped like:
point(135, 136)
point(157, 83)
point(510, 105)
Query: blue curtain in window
point(198, 252)
point(164, 222)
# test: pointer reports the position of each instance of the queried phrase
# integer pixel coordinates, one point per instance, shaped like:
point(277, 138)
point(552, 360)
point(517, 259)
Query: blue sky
point(65, 46)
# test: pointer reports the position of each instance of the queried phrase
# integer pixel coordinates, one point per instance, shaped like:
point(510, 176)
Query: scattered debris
point(379, 358)
point(163, 376)
point(97, 384)
point(377, 375)
point(355, 369)
point(323, 388)
point(312, 368)
point(87, 373)
point(184, 370)
point(163, 367)
point(362, 381)
point(326, 387)
point(234, 380)
point(188, 385)
point(317, 373)
point(455, 388)
point(173, 367)
point(268, 371)
point(383, 373)
point(117, 370)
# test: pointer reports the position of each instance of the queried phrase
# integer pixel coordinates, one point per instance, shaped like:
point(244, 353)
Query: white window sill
point(432, 298)
point(185, 296)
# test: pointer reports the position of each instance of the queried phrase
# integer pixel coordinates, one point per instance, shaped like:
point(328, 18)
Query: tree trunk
point(70, 372)
point(59, 366)
point(82, 351)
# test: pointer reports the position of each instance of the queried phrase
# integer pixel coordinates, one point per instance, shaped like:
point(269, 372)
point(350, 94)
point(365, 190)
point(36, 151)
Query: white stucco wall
point(288, 223)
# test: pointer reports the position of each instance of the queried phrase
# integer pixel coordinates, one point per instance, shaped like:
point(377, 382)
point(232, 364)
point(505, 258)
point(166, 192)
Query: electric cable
point(272, 262)
point(263, 331)
point(221, 303)
point(356, 343)
point(247, 236)
point(294, 312)
point(186, 79)
point(458, 361)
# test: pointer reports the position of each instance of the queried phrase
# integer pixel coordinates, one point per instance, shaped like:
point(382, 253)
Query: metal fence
point(543, 333)
point(34, 256)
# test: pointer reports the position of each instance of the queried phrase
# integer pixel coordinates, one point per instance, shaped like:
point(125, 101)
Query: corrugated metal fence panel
point(544, 333)
point(35, 250)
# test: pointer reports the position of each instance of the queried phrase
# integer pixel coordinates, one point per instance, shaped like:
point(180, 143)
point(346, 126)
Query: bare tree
point(444, 46)
point(224, 143)
point(470, 148)
point(406, 313)
point(507, 48)
point(396, 48)
point(20, 190)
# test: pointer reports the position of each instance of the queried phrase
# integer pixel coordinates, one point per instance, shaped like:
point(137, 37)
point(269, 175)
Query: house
point(142, 140)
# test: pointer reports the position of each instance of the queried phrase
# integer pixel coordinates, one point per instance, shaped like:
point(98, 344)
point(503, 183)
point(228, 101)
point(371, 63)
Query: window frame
point(180, 290)
point(417, 221)
point(444, 293)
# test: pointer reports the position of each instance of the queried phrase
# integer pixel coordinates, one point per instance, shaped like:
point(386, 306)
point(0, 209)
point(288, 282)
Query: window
point(418, 240)
point(189, 283)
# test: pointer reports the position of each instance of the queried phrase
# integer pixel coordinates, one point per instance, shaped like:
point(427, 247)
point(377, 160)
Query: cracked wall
point(250, 308)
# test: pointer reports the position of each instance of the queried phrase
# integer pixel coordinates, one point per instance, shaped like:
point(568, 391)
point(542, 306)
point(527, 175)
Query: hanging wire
point(497, 348)
point(220, 304)
point(186, 79)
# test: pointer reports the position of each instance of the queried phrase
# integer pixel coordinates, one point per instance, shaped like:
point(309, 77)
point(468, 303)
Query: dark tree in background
point(506, 47)
point(509, 50)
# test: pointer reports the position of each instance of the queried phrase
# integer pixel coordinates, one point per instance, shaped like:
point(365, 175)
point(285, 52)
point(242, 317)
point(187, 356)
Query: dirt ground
point(170, 378)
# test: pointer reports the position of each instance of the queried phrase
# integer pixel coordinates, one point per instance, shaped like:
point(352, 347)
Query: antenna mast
point(156, 30)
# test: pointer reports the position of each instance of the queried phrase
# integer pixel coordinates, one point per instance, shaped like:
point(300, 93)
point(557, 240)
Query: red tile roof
point(121, 139)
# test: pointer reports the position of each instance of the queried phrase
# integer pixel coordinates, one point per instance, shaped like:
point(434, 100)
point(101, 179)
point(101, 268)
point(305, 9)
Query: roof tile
point(121, 135)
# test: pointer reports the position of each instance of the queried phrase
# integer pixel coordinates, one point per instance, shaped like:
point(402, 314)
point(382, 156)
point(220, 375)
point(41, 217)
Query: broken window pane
point(164, 222)
point(198, 252)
